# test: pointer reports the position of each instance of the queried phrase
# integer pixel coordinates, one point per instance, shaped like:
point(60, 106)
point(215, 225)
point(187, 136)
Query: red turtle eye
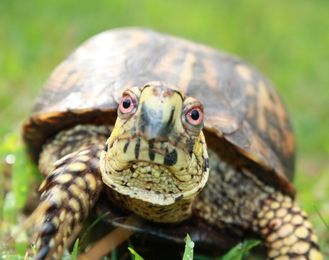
point(195, 116)
point(126, 104)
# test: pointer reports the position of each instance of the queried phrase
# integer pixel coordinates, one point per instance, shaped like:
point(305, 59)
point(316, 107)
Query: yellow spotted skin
point(286, 230)
point(70, 189)
point(69, 202)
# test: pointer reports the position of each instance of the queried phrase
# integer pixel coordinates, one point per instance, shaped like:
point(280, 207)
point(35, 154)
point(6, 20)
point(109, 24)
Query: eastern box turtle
point(172, 131)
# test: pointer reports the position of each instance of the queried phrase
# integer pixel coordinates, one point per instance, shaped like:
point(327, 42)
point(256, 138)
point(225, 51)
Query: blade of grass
point(189, 246)
point(92, 225)
point(134, 254)
point(74, 254)
point(241, 250)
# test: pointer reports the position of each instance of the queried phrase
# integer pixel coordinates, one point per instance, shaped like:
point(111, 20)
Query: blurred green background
point(287, 40)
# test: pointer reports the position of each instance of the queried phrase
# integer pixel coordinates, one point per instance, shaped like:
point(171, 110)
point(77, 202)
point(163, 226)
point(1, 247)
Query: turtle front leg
point(286, 230)
point(70, 164)
point(236, 199)
point(68, 194)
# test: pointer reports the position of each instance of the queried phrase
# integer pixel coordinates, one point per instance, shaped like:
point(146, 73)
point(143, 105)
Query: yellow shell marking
point(187, 70)
point(244, 72)
point(210, 74)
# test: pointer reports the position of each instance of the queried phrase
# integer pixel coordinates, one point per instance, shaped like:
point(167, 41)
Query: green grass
point(287, 40)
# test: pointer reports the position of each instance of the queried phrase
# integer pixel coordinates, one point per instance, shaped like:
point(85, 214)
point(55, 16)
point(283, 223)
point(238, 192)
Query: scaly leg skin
point(238, 200)
point(286, 231)
point(70, 189)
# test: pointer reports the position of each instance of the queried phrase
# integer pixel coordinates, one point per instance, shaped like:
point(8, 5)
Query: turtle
point(179, 134)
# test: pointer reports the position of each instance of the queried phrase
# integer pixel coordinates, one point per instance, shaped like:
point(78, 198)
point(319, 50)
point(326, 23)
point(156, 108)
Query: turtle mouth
point(157, 172)
point(148, 176)
point(145, 181)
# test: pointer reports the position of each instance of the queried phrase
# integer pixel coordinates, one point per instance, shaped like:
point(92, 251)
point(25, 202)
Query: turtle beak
point(160, 113)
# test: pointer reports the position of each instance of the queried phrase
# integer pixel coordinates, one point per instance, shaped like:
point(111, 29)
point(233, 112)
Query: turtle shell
point(245, 119)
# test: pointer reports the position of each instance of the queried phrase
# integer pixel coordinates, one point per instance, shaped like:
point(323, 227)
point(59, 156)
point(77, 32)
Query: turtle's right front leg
point(68, 194)
point(70, 164)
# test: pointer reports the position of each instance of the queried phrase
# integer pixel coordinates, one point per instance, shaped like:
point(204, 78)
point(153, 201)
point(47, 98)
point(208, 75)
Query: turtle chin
point(154, 190)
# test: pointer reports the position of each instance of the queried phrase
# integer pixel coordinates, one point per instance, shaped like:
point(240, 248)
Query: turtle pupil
point(195, 114)
point(126, 103)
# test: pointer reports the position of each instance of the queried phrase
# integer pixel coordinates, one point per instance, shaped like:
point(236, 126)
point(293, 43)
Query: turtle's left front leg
point(286, 230)
point(236, 199)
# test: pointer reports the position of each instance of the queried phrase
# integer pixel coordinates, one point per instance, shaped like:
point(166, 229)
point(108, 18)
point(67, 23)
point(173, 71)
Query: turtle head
point(155, 161)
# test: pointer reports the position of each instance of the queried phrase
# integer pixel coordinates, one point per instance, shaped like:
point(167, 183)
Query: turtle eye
point(127, 104)
point(194, 116)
